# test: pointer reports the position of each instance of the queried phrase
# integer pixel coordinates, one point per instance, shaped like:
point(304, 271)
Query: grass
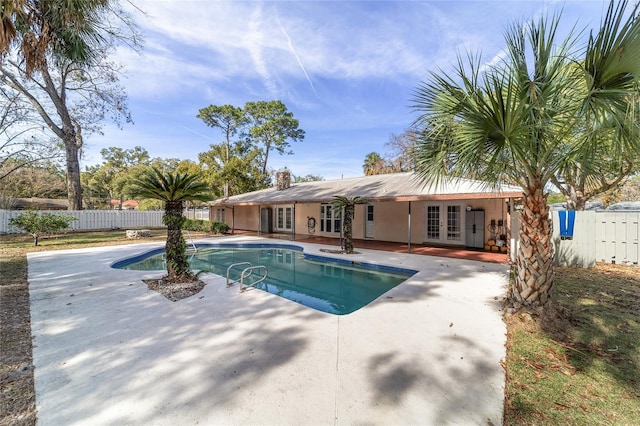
point(576, 364)
point(579, 362)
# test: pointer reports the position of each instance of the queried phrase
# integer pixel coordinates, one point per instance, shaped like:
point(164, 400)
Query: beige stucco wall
point(390, 219)
point(495, 209)
point(243, 217)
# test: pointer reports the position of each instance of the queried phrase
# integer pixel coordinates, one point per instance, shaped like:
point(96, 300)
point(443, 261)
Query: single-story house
point(126, 204)
point(464, 213)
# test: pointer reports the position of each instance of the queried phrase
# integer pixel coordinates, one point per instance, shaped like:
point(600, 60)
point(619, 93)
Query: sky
point(347, 70)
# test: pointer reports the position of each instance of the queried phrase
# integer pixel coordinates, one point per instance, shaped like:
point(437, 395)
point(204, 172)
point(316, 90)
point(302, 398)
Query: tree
point(261, 128)
point(174, 189)
point(241, 173)
point(43, 180)
point(114, 174)
point(230, 120)
point(307, 178)
point(579, 184)
point(523, 119)
point(346, 207)
point(63, 71)
point(373, 164)
point(37, 224)
point(402, 155)
point(629, 191)
point(22, 143)
point(272, 127)
point(56, 29)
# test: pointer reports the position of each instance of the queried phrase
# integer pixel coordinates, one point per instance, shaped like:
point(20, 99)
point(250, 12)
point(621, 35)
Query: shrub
point(196, 225)
point(219, 228)
point(37, 224)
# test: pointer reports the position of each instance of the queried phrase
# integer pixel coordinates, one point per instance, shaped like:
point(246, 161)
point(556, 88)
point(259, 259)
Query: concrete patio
point(109, 351)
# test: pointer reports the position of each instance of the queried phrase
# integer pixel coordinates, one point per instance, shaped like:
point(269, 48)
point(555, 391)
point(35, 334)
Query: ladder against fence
point(95, 219)
point(598, 236)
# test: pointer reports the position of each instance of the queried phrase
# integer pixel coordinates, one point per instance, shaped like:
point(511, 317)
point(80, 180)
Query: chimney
point(283, 180)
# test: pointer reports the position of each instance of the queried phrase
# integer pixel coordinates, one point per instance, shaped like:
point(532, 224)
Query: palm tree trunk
point(533, 280)
point(176, 247)
point(348, 228)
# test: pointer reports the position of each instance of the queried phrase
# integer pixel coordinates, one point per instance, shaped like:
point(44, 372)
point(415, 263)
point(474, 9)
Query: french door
point(444, 223)
point(284, 219)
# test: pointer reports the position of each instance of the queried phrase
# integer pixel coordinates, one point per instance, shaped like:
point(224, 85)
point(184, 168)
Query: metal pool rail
point(246, 272)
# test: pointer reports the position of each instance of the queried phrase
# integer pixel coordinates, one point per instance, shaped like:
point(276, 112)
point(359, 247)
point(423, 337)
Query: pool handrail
point(231, 267)
point(250, 270)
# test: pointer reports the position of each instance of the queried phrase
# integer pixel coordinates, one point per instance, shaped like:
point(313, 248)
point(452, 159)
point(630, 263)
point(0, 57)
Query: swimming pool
point(329, 285)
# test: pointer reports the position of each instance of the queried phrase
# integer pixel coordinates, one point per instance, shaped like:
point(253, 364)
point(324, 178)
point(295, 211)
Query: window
point(284, 218)
point(329, 222)
point(453, 223)
point(219, 215)
point(433, 222)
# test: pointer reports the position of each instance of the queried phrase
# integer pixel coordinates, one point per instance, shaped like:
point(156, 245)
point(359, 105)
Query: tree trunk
point(348, 228)
point(176, 247)
point(533, 280)
point(74, 189)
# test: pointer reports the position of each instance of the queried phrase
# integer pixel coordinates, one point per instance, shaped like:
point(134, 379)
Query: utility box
point(266, 220)
point(474, 229)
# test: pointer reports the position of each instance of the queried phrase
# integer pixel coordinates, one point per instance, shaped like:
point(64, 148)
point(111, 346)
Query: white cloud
point(346, 69)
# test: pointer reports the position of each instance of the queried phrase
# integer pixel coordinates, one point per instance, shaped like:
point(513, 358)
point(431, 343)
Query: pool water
point(328, 285)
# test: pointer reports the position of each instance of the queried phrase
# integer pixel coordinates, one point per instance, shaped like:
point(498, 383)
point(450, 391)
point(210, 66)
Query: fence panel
point(618, 237)
point(580, 249)
point(201, 214)
point(599, 236)
point(95, 219)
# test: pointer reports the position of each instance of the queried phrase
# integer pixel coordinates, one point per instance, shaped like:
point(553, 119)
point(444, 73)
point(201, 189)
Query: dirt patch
point(338, 251)
point(175, 291)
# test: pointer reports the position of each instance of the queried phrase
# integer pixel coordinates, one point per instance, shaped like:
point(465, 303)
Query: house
point(401, 208)
point(126, 205)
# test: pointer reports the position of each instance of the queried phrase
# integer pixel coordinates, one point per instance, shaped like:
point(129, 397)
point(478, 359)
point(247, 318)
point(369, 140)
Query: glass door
point(444, 223)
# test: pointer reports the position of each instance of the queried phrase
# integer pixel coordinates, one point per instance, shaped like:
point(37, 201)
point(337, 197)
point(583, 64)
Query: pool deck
point(109, 351)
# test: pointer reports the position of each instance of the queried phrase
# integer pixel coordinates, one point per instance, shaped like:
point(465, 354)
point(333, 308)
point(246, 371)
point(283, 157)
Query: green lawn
point(578, 363)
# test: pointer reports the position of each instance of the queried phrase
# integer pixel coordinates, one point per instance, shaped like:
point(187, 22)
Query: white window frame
point(283, 218)
point(330, 222)
point(220, 215)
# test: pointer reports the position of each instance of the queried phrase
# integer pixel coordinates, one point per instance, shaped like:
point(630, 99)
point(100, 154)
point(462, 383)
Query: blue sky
point(347, 70)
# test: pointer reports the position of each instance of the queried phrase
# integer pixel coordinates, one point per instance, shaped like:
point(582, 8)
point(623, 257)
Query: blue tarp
point(567, 220)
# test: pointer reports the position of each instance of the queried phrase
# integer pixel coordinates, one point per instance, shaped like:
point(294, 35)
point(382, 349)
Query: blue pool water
point(328, 285)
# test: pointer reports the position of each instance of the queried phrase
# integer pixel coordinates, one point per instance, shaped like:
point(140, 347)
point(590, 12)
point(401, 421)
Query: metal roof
point(386, 187)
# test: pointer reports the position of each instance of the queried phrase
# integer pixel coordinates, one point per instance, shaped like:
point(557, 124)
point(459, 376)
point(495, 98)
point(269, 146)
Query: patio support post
point(259, 219)
point(293, 223)
point(409, 227)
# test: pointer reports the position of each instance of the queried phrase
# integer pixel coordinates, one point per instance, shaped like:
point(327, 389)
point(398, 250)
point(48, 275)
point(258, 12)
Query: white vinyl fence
point(94, 219)
point(598, 236)
point(201, 214)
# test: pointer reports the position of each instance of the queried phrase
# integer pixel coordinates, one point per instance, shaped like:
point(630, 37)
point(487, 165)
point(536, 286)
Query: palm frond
point(171, 187)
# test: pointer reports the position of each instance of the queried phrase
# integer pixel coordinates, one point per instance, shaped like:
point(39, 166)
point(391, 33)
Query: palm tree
point(173, 189)
point(540, 109)
point(346, 207)
point(66, 29)
point(373, 164)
